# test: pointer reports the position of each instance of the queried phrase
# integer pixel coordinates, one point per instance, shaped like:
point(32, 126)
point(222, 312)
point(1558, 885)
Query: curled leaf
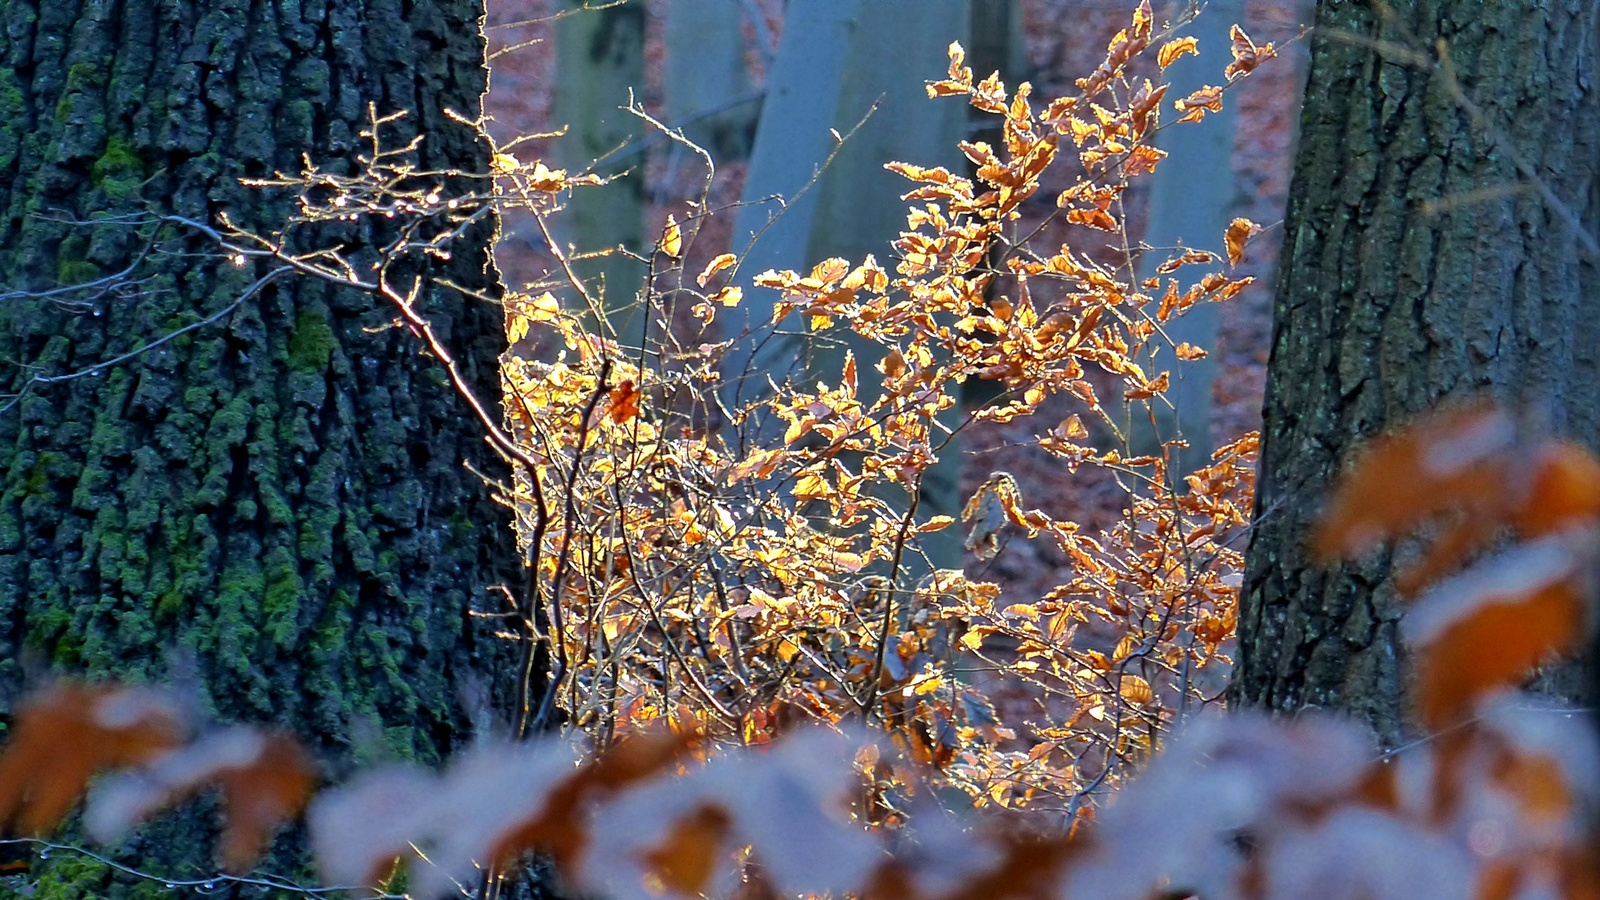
point(716, 265)
point(1172, 51)
point(1239, 232)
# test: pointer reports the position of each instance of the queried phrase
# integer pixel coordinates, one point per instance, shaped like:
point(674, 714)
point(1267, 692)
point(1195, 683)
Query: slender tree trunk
point(1192, 197)
point(708, 89)
point(274, 503)
point(600, 60)
point(837, 61)
point(1438, 242)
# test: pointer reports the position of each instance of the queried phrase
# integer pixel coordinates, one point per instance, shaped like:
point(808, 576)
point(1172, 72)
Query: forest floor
point(1266, 111)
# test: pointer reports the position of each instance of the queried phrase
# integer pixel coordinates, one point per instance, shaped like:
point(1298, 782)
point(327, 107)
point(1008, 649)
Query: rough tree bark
point(1438, 242)
point(275, 502)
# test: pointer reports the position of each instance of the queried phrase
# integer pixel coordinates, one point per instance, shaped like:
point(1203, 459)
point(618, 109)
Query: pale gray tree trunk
point(1192, 196)
point(709, 91)
point(836, 60)
point(599, 61)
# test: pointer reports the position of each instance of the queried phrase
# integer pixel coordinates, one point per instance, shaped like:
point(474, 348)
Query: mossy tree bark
point(1438, 242)
point(278, 500)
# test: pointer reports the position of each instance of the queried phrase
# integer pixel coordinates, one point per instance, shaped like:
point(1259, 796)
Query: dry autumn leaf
point(1239, 232)
point(672, 238)
point(716, 265)
point(1173, 50)
point(66, 734)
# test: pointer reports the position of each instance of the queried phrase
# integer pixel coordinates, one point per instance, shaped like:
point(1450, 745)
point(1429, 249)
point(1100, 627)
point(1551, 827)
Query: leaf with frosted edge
point(455, 819)
point(1239, 232)
point(1228, 774)
point(1364, 853)
point(672, 238)
point(1489, 626)
point(1174, 50)
point(789, 804)
point(67, 733)
point(264, 777)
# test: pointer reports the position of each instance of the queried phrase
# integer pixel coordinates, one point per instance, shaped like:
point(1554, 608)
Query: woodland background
point(254, 333)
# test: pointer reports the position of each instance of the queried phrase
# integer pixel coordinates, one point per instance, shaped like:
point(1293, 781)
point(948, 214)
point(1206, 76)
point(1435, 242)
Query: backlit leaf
point(1172, 50)
point(672, 238)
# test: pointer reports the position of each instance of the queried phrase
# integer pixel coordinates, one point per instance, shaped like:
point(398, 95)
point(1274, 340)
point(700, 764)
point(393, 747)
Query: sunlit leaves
point(1196, 105)
point(717, 553)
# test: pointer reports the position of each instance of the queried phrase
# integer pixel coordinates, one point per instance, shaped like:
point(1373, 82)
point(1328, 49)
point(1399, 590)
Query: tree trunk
point(707, 86)
point(836, 61)
point(1192, 197)
point(599, 61)
point(1438, 242)
point(275, 502)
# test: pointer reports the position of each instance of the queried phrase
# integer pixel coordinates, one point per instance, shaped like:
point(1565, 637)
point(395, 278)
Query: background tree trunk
point(275, 502)
point(1192, 197)
point(707, 86)
point(1422, 259)
point(599, 60)
point(835, 61)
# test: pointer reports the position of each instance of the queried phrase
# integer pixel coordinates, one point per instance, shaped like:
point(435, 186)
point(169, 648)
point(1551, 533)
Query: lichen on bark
point(272, 503)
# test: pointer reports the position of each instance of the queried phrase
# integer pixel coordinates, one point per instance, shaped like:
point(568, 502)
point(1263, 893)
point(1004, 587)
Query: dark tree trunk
point(278, 500)
point(1436, 244)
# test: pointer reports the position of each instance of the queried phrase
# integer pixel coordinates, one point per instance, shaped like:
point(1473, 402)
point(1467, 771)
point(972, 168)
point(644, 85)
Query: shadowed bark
point(1437, 243)
point(276, 502)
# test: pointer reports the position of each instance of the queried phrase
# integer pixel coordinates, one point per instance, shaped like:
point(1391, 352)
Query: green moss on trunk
point(272, 501)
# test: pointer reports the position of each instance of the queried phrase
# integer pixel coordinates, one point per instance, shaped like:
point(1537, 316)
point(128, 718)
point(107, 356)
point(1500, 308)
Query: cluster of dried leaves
point(709, 557)
point(1236, 805)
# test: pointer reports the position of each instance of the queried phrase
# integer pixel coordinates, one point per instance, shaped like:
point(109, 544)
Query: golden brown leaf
point(624, 401)
point(672, 238)
point(716, 265)
point(1172, 50)
point(686, 860)
point(67, 733)
point(1239, 232)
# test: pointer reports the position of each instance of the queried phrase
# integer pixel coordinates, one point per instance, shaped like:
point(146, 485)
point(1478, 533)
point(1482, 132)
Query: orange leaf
point(1566, 486)
point(1171, 51)
point(811, 486)
point(66, 734)
point(672, 238)
point(558, 829)
point(1447, 460)
point(1490, 626)
point(716, 265)
point(686, 861)
point(265, 780)
point(261, 796)
point(1195, 106)
point(1093, 218)
point(1239, 231)
point(624, 402)
point(1136, 690)
point(1142, 159)
point(1246, 55)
